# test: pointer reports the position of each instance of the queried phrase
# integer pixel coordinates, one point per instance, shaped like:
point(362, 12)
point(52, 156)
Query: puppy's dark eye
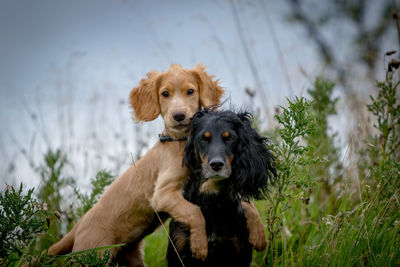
point(165, 94)
point(190, 91)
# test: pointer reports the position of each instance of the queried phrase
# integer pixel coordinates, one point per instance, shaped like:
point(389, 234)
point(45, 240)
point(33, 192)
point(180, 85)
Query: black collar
point(166, 138)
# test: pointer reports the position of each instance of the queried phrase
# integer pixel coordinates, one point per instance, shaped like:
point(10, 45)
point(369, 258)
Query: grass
point(156, 247)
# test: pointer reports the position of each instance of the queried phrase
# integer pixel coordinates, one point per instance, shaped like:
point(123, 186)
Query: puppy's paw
point(199, 246)
point(258, 240)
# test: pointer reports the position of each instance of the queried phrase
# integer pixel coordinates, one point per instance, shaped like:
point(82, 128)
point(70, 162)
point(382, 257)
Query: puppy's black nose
point(216, 164)
point(179, 115)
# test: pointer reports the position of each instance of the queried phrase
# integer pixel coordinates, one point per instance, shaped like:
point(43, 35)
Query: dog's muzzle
point(216, 169)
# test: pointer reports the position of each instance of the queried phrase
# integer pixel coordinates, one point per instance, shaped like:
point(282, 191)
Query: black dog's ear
point(189, 157)
point(253, 164)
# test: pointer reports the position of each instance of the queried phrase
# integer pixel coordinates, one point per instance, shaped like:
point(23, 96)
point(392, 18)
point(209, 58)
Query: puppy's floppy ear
point(253, 164)
point(210, 91)
point(144, 98)
point(190, 156)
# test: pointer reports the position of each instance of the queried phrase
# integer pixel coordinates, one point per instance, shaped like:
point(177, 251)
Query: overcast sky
point(67, 67)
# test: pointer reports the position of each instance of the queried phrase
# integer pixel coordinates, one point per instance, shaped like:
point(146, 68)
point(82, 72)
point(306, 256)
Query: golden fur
point(126, 211)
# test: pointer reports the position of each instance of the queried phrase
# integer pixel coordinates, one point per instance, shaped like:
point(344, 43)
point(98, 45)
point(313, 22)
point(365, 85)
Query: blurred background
point(67, 67)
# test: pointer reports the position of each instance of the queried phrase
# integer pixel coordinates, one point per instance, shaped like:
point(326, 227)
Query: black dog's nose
point(179, 115)
point(216, 164)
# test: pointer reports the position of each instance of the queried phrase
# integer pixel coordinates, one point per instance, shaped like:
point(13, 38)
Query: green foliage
point(52, 180)
point(293, 161)
point(366, 232)
point(296, 121)
point(365, 235)
point(53, 183)
point(92, 258)
point(21, 219)
point(308, 220)
point(323, 106)
point(386, 108)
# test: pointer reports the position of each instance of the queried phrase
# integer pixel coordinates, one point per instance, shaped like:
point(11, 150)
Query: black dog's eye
point(165, 94)
point(206, 137)
point(190, 91)
point(227, 136)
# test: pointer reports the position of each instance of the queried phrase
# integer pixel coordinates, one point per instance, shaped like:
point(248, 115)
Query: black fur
point(252, 168)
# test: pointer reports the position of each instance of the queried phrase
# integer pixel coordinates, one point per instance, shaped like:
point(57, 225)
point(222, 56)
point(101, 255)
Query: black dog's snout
point(179, 115)
point(216, 164)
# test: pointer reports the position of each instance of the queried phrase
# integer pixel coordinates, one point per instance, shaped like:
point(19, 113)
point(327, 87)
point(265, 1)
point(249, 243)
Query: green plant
point(51, 178)
point(293, 161)
point(323, 106)
point(22, 218)
point(50, 192)
point(365, 232)
point(387, 111)
point(386, 108)
point(92, 258)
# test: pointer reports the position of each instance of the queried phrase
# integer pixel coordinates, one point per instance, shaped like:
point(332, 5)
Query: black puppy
point(229, 162)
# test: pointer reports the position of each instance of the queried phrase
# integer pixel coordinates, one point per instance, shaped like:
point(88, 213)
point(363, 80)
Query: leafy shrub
point(297, 122)
point(22, 218)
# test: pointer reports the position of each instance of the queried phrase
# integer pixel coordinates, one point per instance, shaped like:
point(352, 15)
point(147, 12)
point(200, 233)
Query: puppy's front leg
point(168, 197)
point(255, 226)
